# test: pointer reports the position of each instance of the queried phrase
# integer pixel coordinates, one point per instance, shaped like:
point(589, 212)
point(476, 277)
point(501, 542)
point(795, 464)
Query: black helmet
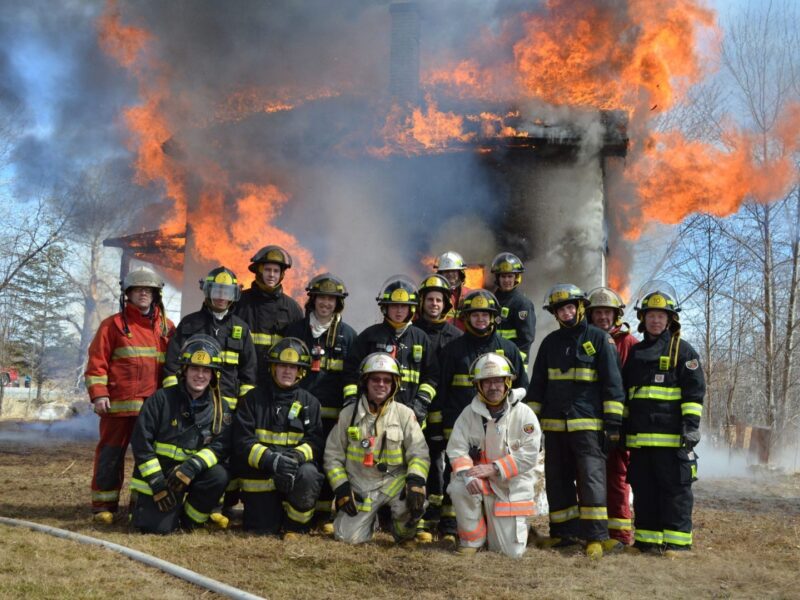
point(271, 254)
point(220, 284)
point(201, 350)
point(326, 284)
point(507, 263)
point(436, 283)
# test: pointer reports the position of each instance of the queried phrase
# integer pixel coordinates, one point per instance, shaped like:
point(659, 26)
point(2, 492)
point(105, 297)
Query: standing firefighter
point(264, 307)
point(181, 440)
point(404, 342)
point(216, 319)
point(605, 311)
point(665, 386)
point(576, 390)
point(376, 456)
point(124, 367)
point(517, 316)
point(434, 305)
point(493, 450)
point(329, 340)
point(478, 311)
point(451, 266)
point(277, 446)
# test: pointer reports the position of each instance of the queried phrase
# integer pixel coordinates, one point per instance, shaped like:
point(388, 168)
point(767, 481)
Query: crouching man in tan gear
point(376, 455)
point(493, 451)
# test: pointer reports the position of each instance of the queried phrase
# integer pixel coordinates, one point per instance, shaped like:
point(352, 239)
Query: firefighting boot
point(327, 528)
point(466, 551)
point(290, 536)
point(424, 537)
point(450, 540)
point(640, 548)
point(611, 546)
point(104, 517)
point(672, 551)
point(219, 520)
point(594, 550)
point(547, 543)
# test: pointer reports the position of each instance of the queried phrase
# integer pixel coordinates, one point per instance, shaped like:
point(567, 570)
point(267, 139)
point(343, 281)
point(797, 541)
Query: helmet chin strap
point(486, 331)
point(580, 311)
point(485, 400)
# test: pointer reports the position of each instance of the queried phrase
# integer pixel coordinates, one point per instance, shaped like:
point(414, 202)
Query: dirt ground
point(747, 545)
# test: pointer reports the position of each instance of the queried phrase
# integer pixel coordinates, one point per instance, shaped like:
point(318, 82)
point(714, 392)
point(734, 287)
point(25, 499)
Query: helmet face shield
point(219, 291)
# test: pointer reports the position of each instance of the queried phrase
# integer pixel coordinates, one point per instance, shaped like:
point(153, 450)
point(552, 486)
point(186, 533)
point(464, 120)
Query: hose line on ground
point(167, 567)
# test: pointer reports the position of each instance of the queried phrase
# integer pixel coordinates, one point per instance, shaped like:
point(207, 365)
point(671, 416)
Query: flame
point(245, 102)
point(221, 235)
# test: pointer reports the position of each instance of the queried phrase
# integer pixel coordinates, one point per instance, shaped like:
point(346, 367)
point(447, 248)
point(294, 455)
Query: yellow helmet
point(658, 295)
point(507, 263)
point(604, 297)
point(220, 284)
point(289, 351)
point(565, 293)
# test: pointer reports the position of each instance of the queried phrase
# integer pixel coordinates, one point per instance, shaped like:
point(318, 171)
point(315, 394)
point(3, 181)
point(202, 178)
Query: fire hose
point(147, 559)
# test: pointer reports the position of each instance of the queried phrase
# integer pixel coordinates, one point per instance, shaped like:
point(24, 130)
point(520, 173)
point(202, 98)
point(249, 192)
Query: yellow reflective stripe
point(169, 381)
point(419, 466)
point(410, 375)
point(584, 425)
point(265, 339)
point(336, 477)
point(194, 514)
point(125, 406)
point(655, 392)
point(105, 495)
point(620, 524)
point(172, 451)
point(391, 457)
point(96, 380)
point(574, 374)
point(323, 506)
point(329, 412)
point(255, 454)
point(137, 485)
point(244, 388)
point(208, 457)
point(612, 407)
point(350, 390)
point(137, 352)
point(306, 451)
point(461, 380)
point(536, 407)
point(296, 515)
point(396, 486)
point(331, 364)
point(366, 505)
point(648, 537)
point(231, 402)
point(562, 516)
point(691, 408)
point(651, 440)
point(428, 389)
point(554, 425)
point(150, 467)
point(256, 485)
point(509, 334)
point(448, 433)
point(448, 510)
point(594, 513)
point(229, 357)
point(279, 438)
point(679, 538)
point(435, 416)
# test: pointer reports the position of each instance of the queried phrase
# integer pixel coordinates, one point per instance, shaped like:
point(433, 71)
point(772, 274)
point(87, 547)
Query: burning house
point(381, 184)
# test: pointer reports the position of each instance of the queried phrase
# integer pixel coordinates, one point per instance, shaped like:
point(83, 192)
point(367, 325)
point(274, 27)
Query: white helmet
point(488, 366)
point(449, 261)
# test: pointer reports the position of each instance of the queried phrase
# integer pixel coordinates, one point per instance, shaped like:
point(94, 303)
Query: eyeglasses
point(380, 379)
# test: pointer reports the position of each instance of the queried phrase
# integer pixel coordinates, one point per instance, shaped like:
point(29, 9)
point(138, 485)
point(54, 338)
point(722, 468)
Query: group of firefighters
point(425, 424)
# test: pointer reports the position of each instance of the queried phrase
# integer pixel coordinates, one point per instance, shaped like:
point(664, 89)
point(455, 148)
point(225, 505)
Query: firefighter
point(665, 386)
point(605, 311)
point(278, 444)
point(181, 440)
point(264, 307)
point(493, 450)
point(329, 339)
point(124, 367)
point(216, 318)
point(576, 391)
point(478, 311)
point(434, 305)
point(376, 456)
point(517, 316)
point(451, 266)
point(406, 343)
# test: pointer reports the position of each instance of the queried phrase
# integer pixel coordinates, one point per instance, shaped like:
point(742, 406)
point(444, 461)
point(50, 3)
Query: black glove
point(283, 469)
point(162, 496)
point(415, 496)
point(420, 407)
point(690, 438)
point(181, 476)
point(298, 456)
point(347, 499)
point(612, 439)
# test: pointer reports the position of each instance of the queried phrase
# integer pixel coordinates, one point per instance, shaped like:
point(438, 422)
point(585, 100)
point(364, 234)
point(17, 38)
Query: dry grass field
point(747, 545)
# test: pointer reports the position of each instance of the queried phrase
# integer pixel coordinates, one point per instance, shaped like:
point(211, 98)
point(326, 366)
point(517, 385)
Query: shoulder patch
point(529, 428)
point(692, 364)
point(523, 314)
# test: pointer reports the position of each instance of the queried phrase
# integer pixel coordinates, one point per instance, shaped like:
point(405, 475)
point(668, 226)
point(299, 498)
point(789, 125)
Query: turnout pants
point(269, 511)
point(109, 461)
point(192, 508)
point(477, 522)
point(361, 528)
point(574, 462)
point(435, 487)
point(661, 479)
point(618, 496)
